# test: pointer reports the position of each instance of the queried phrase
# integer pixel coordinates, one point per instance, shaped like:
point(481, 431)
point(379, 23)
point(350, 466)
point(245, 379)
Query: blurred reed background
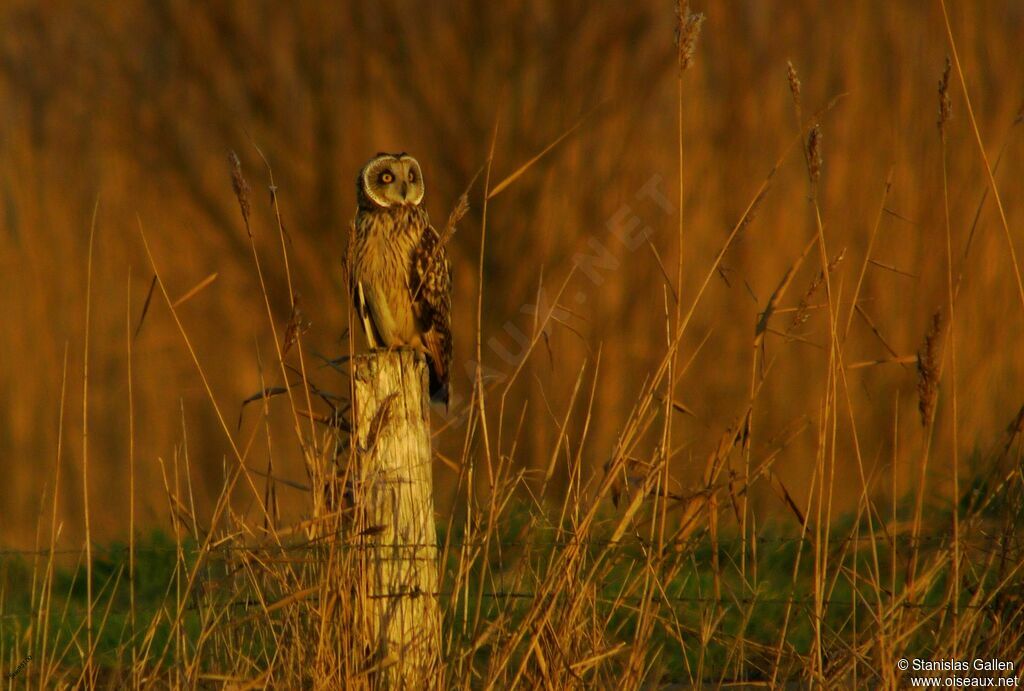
point(133, 107)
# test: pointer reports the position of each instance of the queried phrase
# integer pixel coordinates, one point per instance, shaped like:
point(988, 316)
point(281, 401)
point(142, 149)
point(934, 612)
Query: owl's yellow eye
point(387, 178)
point(412, 176)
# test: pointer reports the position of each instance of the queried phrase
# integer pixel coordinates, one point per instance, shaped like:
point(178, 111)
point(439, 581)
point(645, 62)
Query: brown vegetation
point(696, 278)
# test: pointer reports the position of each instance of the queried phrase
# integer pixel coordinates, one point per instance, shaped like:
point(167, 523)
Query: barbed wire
point(999, 541)
point(801, 601)
point(906, 539)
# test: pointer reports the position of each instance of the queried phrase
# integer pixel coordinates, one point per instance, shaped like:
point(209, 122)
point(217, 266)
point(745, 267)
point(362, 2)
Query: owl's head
point(390, 180)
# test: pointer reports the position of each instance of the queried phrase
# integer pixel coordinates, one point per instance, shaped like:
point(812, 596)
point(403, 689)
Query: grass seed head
point(929, 360)
point(803, 311)
point(945, 104)
point(460, 209)
point(688, 27)
point(240, 186)
point(814, 158)
point(794, 82)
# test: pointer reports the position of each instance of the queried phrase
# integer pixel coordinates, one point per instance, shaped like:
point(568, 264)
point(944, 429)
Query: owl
point(400, 274)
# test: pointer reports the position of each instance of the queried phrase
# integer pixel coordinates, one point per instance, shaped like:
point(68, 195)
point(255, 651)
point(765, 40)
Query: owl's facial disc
point(391, 180)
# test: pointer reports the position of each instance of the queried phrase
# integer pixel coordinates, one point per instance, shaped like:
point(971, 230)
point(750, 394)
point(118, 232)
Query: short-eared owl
point(401, 277)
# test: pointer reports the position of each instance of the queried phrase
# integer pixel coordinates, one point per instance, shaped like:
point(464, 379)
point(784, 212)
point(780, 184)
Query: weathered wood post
point(394, 494)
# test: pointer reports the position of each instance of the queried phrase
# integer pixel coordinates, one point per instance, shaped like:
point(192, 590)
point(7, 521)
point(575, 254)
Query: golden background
point(131, 108)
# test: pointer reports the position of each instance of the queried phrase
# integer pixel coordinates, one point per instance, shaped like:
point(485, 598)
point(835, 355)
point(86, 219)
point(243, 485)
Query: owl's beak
point(405, 190)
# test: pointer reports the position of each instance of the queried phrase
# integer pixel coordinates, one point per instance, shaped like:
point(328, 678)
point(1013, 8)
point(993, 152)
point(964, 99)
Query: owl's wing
point(431, 286)
point(365, 311)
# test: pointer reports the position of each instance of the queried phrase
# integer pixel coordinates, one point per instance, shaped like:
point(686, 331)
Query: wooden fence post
point(394, 498)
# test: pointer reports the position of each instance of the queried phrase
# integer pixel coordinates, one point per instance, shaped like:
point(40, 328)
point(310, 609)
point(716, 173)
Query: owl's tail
point(438, 384)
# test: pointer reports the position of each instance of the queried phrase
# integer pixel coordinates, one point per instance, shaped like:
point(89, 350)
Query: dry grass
point(730, 474)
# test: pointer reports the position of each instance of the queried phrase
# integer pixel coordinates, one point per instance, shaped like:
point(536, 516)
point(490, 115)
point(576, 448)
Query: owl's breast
point(384, 246)
point(383, 252)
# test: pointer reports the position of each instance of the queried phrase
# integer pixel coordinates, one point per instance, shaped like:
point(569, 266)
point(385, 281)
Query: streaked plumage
point(401, 277)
